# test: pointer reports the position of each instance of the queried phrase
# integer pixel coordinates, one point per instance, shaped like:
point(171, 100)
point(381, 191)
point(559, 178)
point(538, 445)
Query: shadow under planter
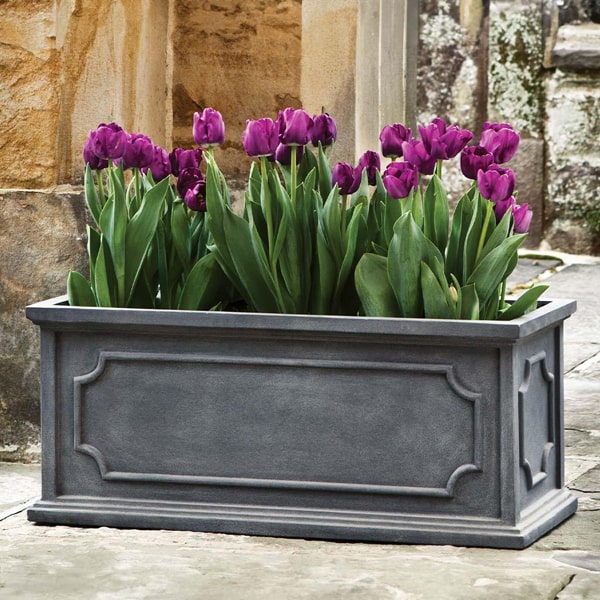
point(351, 428)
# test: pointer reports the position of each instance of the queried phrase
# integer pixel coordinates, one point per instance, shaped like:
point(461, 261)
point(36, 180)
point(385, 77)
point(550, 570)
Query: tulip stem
point(294, 176)
point(486, 220)
point(100, 188)
point(438, 168)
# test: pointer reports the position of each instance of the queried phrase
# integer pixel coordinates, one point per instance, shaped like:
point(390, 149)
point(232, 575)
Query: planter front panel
point(286, 431)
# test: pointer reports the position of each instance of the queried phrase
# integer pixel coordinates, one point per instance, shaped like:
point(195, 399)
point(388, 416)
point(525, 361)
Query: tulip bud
point(346, 177)
point(501, 140)
point(261, 137)
point(372, 163)
point(522, 217)
point(160, 167)
point(473, 159)
point(295, 127)
point(391, 138)
point(89, 154)
point(191, 188)
point(209, 128)
point(496, 184)
point(415, 153)
point(324, 130)
point(283, 154)
point(110, 141)
point(502, 206)
point(139, 151)
point(181, 158)
point(399, 179)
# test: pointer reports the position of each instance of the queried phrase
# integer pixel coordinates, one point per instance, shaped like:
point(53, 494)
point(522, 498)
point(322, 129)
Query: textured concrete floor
point(62, 563)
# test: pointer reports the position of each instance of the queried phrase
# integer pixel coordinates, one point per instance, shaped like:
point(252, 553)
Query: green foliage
point(427, 272)
point(147, 249)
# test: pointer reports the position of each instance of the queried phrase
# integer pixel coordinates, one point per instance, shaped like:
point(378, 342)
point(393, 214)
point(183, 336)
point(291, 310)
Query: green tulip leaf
point(523, 304)
point(202, 285)
point(373, 287)
point(435, 304)
point(79, 290)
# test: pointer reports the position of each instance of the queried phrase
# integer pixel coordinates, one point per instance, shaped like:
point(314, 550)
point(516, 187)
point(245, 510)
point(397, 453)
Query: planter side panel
point(280, 421)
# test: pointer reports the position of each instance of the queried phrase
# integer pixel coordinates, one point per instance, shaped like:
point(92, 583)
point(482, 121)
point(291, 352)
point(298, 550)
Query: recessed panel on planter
point(268, 423)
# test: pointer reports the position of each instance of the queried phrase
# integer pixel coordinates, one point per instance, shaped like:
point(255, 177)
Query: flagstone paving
point(64, 563)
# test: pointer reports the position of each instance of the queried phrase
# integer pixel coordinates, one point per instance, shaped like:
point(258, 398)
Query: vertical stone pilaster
point(363, 71)
point(386, 56)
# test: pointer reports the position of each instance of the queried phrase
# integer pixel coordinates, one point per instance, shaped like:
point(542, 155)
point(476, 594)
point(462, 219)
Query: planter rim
point(56, 313)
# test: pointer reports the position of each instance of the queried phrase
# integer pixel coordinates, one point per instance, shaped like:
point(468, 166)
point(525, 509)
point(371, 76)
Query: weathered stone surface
point(516, 85)
point(577, 47)
point(29, 67)
point(40, 241)
point(242, 58)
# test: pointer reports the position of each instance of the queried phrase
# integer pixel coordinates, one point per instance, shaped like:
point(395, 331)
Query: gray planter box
point(390, 430)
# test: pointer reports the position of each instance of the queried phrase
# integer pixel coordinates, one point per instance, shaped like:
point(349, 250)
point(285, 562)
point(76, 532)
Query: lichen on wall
point(516, 78)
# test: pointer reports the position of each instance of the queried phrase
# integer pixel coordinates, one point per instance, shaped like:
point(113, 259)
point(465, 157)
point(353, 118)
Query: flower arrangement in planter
point(311, 239)
point(337, 360)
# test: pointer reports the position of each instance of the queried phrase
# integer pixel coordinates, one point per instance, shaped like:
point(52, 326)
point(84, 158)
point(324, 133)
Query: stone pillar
point(113, 67)
point(363, 70)
point(386, 60)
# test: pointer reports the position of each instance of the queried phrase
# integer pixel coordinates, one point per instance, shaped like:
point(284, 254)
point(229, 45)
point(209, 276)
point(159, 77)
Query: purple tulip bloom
point(392, 137)
point(522, 217)
point(295, 127)
point(501, 140)
point(261, 137)
point(89, 154)
point(139, 151)
point(182, 158)
point(346, 177)
point(209, 128)
point(324, 130)
point(473, 159)
point(400, 178)
point(110, 141)
point(191, 187)
point(415, 153)
point(496, 184)
point(502, 206)
point(283, 154)
point(160, 167)
point(372, 163)
point(444, 142)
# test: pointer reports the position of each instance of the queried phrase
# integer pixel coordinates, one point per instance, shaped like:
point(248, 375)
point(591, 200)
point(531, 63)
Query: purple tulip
point(496, 184)
point(346, 177)
point(110, 141)
point(89, 154)
point(160, 167)
point(415, 153)
point(208, 129)
point(261, 137)
point(295, 127)
point(283, 154)
point(392, 137)
point(502, 206)
point(324, 130)
point(182, 158)
point(444, 142)
point(501, 140)
point(400, 178)
point(139, 151)
point(372, 163)
point(473, 159)
point(191, 187)
point(522, 217)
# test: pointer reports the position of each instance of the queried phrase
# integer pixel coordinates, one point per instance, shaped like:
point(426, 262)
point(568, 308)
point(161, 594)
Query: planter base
point(310, 524)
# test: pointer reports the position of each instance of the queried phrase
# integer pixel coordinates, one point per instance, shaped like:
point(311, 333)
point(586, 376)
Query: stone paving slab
point(38, 562)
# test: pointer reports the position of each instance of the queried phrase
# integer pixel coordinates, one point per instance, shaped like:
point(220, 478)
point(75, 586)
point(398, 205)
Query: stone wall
point(67, 65)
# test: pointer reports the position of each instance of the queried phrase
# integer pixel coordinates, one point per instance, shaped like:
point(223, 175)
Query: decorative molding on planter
point(446, 371)
point(534, 479)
